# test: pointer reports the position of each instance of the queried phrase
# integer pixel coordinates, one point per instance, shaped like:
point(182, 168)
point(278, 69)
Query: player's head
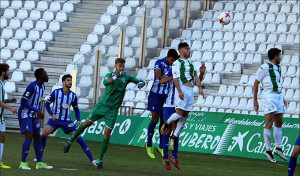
point(67, 81)
point(4, 71)
point(41, 75)
point(275, 54)
point(184, 50)
point(119, 64)
point(172, 56)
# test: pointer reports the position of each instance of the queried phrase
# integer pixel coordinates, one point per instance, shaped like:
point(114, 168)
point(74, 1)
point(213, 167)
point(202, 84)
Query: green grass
point(129, 160)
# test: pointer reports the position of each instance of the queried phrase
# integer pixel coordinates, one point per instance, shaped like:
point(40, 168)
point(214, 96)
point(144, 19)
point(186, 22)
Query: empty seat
point(262, 7)
point(10, 87)
point(68, 7)
point(17, 76)
point(27, 24)
point(13, 44)
point(207, 25)
point(55, 6)
point(292, 18)
point(29, 5)
point(239, 91)
point(251, 7)
point(14, 23)
point(25, 66)
point(40, 25)
point(20, 34)
point(48, 16)
point(12, 64)
point(18, 55)
point(197, 24)
point(22, 14)
point(242, 104)
point(87, 70)
point(234, 102)
point(92, 39)
point(85, 48)
point(47, 36)
point(83, 103)
point(260, 27)
point(274, 8)
point(61, 16)
point(33, 35)
point(35, 15)
point(4, 4)
point(40, 46)
point(9, 13)
point(32, 55)
point(292, 107)
point(5, 53)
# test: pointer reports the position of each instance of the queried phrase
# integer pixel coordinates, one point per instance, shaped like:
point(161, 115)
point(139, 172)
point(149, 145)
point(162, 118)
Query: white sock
point(267, 137)
point(277, 132)
point(1, 150)
point(180, 125)
point(173, 118)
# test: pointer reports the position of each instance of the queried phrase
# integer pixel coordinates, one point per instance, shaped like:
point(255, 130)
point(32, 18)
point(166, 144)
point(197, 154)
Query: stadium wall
point(204, 132)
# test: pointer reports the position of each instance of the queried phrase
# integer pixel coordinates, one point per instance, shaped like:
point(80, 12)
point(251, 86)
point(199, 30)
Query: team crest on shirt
point(65, 105)
point(38, 125)
point(27, 127)
point(123, 80)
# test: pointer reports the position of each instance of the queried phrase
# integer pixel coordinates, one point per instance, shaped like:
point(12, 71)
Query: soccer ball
point(224, 18)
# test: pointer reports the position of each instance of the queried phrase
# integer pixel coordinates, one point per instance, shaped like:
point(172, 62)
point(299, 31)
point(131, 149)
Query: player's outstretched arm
point(11, 109)
point(165, 79)
point(12, 100)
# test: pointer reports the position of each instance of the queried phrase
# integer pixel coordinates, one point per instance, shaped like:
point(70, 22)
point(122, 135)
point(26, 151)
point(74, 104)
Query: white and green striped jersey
point(2, 98)
point(185, 70)
point(269, 75)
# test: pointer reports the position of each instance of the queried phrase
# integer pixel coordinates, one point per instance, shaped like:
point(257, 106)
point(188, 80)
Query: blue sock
point(37, 149)
point(85, 148)
point(43, 143)
point(160, 135)
point(292, 166)
point(151, 128)
point(25, 149)
point(166, 145)
point(175, 151)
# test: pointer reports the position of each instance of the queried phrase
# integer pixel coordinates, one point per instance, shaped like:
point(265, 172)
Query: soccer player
point(4, 75)
point(28, 115)
point(62, 100)
point(293, 160)
point(184, 77)
point(269, 74)
point(108, 106)
point(168, 110)
point(156, 98)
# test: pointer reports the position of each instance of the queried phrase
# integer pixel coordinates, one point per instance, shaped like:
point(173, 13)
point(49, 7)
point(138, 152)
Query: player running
point(157, 97)
point(168, 110)
point(293, 160)
point(184, 76)
point(28, 115)
point(108, 106)
point(62, 100)
point(4, 75)
point(269, 74)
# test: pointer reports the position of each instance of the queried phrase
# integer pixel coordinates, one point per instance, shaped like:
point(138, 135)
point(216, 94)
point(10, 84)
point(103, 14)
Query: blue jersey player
point(157, 97)
point(293, 159)
point(62, 100)
point(28, 115)
point(168, 110)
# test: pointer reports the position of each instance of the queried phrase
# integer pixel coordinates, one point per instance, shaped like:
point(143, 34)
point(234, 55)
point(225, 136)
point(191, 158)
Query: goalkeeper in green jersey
point(108, 106)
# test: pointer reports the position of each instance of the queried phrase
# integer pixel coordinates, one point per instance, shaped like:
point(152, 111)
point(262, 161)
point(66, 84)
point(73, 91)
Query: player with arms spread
point(269, 74)
point(62, 100)
point(108, 106)
point(28, 115)
point(4, 75)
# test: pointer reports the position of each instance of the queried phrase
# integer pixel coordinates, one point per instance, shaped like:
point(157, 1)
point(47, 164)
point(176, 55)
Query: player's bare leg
point(2, 139)
point(277, 132)
point(269, 118)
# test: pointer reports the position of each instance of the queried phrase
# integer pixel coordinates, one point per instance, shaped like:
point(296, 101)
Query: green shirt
point(115, 92)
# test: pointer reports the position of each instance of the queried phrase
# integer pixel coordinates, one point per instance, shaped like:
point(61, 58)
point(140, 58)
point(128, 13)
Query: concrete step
point(80, 25)
point(90, 10)
point(30, 79)
point(71, 35)
point(70, 44)
point(72, 40)
point(84, 20)
point(54, 69)
point(92, 4)
point(249, 71)
point(74, 29)
point(59, 49)
point(57, 59)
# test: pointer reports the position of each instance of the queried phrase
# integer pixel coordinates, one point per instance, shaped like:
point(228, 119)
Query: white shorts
point(187, 103)
point(2, 128)
point(273, 102)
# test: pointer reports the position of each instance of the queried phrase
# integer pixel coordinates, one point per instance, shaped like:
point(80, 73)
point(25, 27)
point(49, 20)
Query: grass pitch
point(129, 160)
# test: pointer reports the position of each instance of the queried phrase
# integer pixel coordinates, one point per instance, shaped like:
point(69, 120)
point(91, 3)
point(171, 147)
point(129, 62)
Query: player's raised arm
point(140, 83)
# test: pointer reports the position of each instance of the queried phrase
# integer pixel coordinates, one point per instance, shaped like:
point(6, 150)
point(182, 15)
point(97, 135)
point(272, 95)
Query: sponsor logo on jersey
point(70, 125)
point(65, 105)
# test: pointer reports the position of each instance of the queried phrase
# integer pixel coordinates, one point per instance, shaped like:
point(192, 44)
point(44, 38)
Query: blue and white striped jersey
point(170, 99)
point(33, 95)
point(62, 103)
point(157, 87)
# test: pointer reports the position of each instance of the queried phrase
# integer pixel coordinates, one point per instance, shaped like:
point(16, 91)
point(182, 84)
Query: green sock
point(103, 149)
point(77, 133)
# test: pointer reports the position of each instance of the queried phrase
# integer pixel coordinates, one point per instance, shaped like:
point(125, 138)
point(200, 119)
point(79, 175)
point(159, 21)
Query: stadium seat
point(197, 24)
point(289, 94)
point(83, 103)
point(41, 25)
point(22, 14)
point(40, 46)
point(228, 68)
point(292, 107)
point(18, 54)
point(55, 6)
point(226, 102)
point(130, 62)
point(29, 5)
point(217, 102)
point(244, 80)
point(140, 96)
point(33, 35)
point(196, 55)
point(296, 96)
point(262, 7)
point(216, 79)
point(270, 17)
point(20, 34)
point(25, 66)
point(42, 5)
point(129, 95)
point(3, 22)
point(248, 92)
point(12, 64)
point(207, 78)
point(32, 55)
point(61, 16)
point(17, 76)
point(239, 91)
point(291, 71)
point(249, 27)
point(92, 39)
point(35, 15)
point(12, 44)
point(4, 4)
point(87, 70)
point(48, 16)
point(8, 13)
point(234, 102)
point(85, 81)
point(10, 87)
point(47, 36)
point(292, 18)
point(26, 45)
point(140, 108)
point(218, 6)
point(68, 7)
point(70, 67)
point(287, 82)
point(237, 68)
point(274, 8)
point(27, 24)
point(242, 104)
point(240, 46)
point(294, 83)
point(2, 45)
point(14, 23)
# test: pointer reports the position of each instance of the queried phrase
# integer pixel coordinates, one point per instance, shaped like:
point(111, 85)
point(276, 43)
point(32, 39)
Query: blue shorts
point(29, 124)
point(156, 101)
point(65, 125)
point(297, 141)
point(167, 112)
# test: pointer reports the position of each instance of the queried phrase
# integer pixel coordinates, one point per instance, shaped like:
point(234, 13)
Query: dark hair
point(173, 53)
point(273, 52)
point(38, 72)
point(120, 60)
point(182, 45)
point(65, 77)
point(3, 68)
